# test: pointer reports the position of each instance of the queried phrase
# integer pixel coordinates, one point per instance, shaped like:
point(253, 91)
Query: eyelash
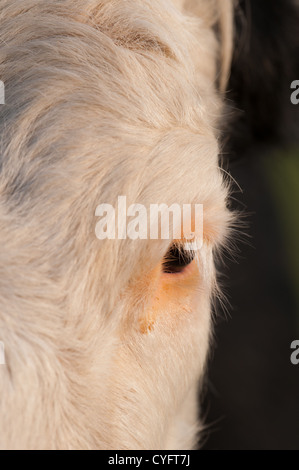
point(177, 259)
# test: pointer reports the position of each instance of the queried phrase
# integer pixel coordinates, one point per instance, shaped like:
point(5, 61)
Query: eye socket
point(177, 259)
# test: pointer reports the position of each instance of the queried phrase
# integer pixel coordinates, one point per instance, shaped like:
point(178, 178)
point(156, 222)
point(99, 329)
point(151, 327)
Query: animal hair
point(104, 98)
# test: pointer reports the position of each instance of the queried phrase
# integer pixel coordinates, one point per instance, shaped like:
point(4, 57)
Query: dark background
point(253, 389)
point(252, 393)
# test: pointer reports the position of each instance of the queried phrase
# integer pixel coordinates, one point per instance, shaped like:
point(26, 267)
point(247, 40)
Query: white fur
point(104, 98)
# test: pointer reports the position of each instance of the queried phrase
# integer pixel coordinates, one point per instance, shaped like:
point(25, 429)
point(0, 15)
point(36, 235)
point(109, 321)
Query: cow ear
point(219, 15)
point(265, 63)
point(225, 30)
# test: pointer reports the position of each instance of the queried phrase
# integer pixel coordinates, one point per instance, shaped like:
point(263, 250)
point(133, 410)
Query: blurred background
point(253, 390)
point(252, 393)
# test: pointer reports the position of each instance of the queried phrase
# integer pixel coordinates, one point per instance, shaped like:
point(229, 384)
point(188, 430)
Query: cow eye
point(177, 259)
